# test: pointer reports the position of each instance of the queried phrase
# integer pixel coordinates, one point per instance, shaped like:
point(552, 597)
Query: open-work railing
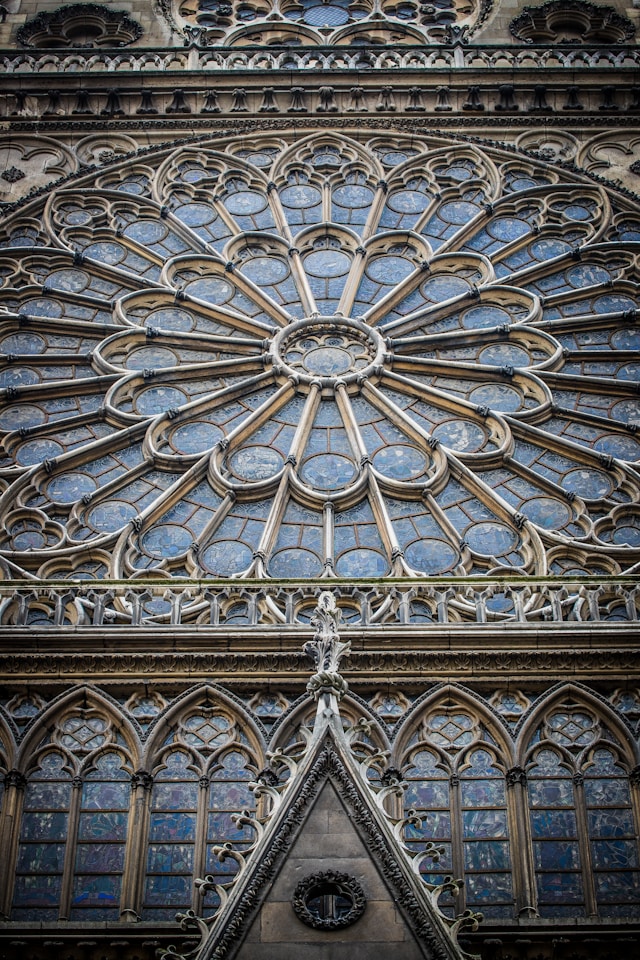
point(207, 59)
point(217, 604)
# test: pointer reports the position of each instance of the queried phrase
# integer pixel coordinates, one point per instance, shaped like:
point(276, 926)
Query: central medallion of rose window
point(328, 348)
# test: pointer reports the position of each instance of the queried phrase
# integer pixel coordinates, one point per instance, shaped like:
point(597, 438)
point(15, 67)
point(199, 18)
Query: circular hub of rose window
point(328, 349)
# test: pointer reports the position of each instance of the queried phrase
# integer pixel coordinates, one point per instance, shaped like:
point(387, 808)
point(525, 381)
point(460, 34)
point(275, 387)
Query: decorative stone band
point(409, 603)
point(309, 59)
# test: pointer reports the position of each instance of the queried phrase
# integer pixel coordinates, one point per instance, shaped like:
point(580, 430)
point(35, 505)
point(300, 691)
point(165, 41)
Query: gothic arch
point(455, 754)
point(192, 699)
point(580, 694)
point(78, 699)
point(352, 710)
point(581, 806)
point(458, 695)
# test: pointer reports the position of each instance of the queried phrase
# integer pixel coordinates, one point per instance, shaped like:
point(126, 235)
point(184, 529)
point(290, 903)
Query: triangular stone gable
point(328, 840)
point(328, 799)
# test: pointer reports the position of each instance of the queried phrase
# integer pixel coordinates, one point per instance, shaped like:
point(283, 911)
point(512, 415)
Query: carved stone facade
point(331, 300)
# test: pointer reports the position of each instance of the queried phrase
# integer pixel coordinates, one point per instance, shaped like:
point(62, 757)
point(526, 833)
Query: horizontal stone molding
point(292, 666)
point(362, 59)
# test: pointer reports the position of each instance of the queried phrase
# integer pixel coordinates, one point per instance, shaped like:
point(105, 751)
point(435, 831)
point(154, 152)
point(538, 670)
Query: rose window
point(323, 358)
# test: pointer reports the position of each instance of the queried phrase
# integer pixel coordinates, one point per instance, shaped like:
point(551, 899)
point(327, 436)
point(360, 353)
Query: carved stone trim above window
point(572, 21)
point(80, 25)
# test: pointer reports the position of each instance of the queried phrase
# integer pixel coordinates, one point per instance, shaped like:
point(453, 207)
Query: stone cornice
point(292, 667)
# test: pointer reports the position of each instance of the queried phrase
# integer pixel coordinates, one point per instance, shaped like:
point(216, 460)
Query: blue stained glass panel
point(614, 854)
point(610, 823)
point(438, 828)
point(170, 858)
point(362, 563)
point(101, 891)
point(431, 557)
point(100, 857)
point(551, 793)
point(553, 823)
point(618, 886)
point(557, 855)
point(560, 887)
point(175, 796)
point(481, 887)
point(42, 794)
point(168, 890)
point(38, 891)
point(173, 826)
point(222, 827)
point(601, 792)
point(101, 795)
point(482, 793)
point(427, 793)
point(102, 826)
point(41, 858)
point(486, 855)
point(44, 826)
point(484, 823)
point(231, 796)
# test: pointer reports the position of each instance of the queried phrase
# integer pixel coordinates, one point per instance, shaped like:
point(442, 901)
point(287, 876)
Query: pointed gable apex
point(329, 820)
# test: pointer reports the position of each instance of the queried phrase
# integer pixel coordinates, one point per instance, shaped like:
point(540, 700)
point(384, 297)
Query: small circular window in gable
point(329, 901)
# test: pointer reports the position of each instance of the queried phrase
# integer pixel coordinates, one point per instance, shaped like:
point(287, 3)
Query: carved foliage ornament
point(80, 25)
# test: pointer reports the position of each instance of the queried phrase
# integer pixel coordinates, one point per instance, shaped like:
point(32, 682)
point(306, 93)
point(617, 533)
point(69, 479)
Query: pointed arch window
point(74, 824)
point(200, 786)
point(457, 786)
point(582, 822)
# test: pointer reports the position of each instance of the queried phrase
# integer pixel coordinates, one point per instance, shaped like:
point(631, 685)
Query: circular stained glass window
point(278, 403)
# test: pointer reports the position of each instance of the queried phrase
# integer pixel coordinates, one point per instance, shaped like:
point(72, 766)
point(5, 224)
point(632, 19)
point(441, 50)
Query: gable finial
point(327, 650)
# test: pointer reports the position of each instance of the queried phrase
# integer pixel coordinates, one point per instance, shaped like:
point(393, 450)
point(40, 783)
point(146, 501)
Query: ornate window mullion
point(200, 846)
point(279, 215)
point(135, 858)
point(270, 532)
point(526, 895)
point(301, 281)
point(9, 834)
point(70, 848)
point(457, 846)
point(350, 422)
point(376, 210)
point(590, 901)
point(328, 520)
point(345, 305)
point(386, 527)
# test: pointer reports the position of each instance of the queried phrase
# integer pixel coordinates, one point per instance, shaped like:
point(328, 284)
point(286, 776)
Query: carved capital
point(516, 775)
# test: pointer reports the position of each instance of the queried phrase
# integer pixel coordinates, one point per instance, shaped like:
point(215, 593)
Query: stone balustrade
point(478, 601)
point(208, 59)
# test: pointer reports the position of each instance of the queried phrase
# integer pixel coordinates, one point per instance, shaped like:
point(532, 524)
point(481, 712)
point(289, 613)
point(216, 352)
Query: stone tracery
point(225, 415)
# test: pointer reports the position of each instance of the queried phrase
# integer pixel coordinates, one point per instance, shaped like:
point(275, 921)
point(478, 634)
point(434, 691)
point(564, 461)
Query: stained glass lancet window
point(201, 777)
point(330, 357)
point(456, 785)
point(74, 823)
point(582, 821)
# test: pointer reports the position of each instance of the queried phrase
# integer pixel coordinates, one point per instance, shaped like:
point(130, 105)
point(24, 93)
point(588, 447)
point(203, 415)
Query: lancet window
point(457, 789)
point(74, 823)
point(582, 820)
point(200, 788)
